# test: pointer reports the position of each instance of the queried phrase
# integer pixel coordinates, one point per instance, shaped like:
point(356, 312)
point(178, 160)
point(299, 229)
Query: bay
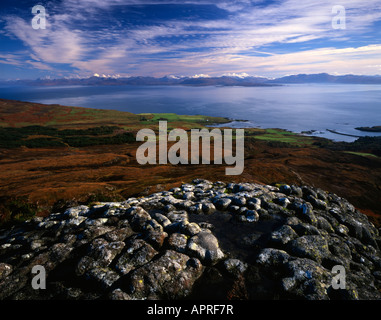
point(294, 107)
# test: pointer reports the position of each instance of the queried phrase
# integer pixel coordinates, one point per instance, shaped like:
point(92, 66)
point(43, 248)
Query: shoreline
point(235, 124)
point(369, 129)
point(343, 134)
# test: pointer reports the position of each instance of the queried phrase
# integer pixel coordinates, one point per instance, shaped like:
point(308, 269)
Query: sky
point(189, 38)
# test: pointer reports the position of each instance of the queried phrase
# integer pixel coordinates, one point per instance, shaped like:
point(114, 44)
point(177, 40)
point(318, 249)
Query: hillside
point(76, 156)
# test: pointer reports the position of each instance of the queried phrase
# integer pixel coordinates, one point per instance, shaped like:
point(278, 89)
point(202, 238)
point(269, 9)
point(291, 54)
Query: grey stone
point(104, 276)
point(138, 217)
point(306, 279)
point(205, 247)
point(251, 216)
point(102, 253)
point(304, 211)
point(311, 246)
point(283, 235)
point(162, 219)
point(155, 237)
point(152, 251)
point(317, 203)
point(5, 270)
point(222, 203)
point(190, 229)
point(272, 258)
point(254, 204)
point(235, 267)
point(118, 294)
point(170, 277)
point(323, 224)
point(119, 234)
point(239, 201)
point(138, 254)
point(208, 208)
point(286, 189)
point(178, 242)
point(196, 208)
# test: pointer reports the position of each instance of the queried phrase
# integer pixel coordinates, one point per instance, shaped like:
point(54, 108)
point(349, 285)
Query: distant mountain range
point(327, 78)
point(247, 81)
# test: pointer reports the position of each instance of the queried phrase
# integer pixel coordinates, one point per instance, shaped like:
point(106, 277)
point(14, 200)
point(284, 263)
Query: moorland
point(53, 157)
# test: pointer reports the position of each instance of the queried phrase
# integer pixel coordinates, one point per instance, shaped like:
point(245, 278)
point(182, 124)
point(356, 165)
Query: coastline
point(109, 171)
point(247, 124)
point(343, 134)
point(231, 102)
point(369, 129)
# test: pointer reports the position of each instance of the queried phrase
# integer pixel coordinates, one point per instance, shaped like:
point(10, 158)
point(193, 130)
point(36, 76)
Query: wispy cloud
point(246, 36)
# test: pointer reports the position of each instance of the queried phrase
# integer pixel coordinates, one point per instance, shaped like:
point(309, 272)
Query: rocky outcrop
point(201, 240)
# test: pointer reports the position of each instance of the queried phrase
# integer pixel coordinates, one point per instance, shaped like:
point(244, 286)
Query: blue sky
point(187, 38)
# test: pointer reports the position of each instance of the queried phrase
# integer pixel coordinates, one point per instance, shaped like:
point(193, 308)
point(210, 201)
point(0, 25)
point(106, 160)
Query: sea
point(312, 108)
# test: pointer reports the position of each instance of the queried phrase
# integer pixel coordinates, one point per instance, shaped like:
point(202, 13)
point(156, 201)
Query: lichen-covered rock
point(190, 229)
point(100, 254)
point(254, 204)
point(138, 253)
point(235, 267)
point(283, 235)
point(312, 246)
point(271, 258)
point(169, 277)
point(205, 247)
point(104, 252)
point(162, 219)
point(178, 242)
point(306, 278)
point(118, 294)
point(208, 207)
point(138, 217)
point(200, 240)
point(155, 238)
point(304, 211)
point(222, 203)
point(104, 276)
point(5, 270)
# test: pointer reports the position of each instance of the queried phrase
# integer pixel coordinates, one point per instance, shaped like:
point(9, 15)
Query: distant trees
point(52, 137)
point(362, 144)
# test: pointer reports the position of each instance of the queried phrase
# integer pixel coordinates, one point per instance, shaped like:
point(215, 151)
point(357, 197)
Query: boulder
point(283, 235)
point(205, 247)
point(139, 253)
point(311, 246)
point(170, 277)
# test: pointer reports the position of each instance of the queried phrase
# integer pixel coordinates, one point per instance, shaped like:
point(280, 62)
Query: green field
point(282, 136)
point(363, 154)
point(173, 117)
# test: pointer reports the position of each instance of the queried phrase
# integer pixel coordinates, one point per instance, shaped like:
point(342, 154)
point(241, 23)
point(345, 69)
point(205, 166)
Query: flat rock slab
point(201, 240)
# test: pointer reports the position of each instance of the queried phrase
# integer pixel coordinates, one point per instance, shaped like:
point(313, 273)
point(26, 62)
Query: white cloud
point(233, 45)
point(55, 44)
point(12, 59)
point(201, 75)
point(237, 75)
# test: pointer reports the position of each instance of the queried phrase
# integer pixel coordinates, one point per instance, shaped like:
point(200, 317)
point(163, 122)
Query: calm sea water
point(293, 107)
